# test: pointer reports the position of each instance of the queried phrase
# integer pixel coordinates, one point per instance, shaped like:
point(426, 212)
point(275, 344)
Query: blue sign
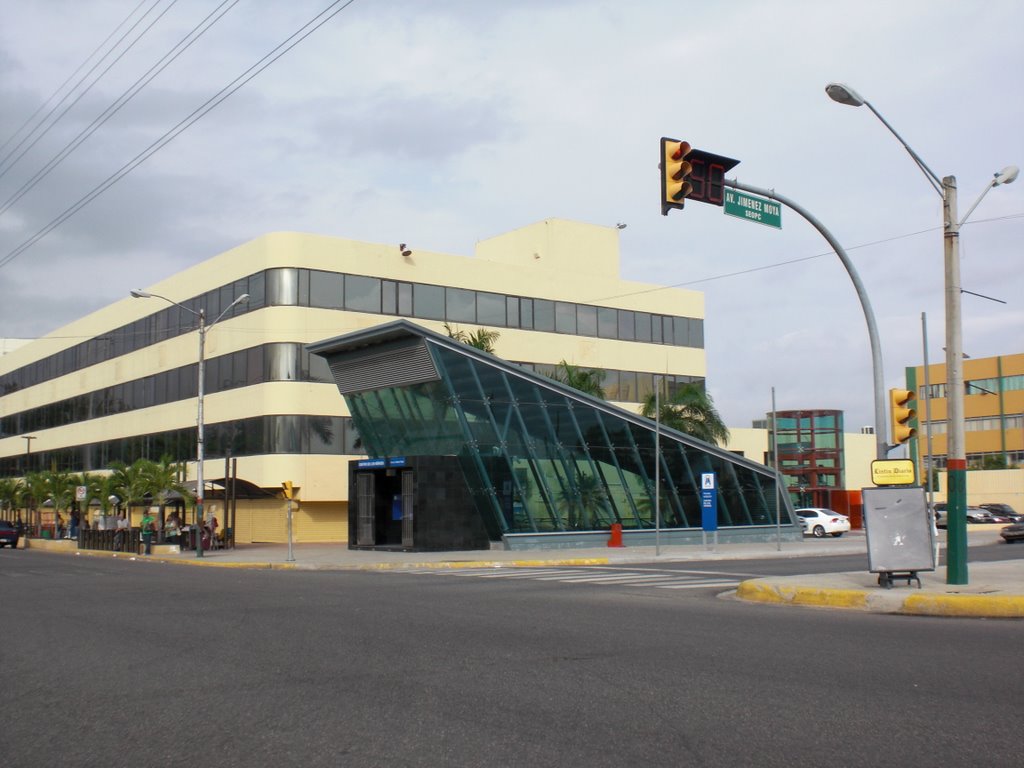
point(397, 461)
point(708, 502)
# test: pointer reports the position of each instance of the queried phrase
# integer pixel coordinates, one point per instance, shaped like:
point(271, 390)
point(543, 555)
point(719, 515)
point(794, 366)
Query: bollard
point(615, 540)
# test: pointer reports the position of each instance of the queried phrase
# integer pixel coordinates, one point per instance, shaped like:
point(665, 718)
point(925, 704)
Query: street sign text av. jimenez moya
point(758, 209)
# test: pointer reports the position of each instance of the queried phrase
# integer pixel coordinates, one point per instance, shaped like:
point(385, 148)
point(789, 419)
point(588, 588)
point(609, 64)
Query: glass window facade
point(811, 454)
point(293, 286)
point(541, 458)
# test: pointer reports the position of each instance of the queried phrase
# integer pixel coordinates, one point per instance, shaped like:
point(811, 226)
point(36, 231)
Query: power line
point(68, 80)
point(85, 90)
point(799, 259)
point(282, 48)
point(133, 90)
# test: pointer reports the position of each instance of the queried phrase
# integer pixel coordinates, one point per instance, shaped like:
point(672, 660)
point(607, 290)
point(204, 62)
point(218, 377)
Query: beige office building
point(121, 383)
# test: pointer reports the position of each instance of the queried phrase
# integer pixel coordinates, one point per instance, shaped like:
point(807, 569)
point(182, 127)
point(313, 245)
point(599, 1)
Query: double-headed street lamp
point(203, 329)
point(956, 456)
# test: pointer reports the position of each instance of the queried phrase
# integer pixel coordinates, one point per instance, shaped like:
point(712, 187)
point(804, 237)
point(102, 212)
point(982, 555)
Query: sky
point(440, 124)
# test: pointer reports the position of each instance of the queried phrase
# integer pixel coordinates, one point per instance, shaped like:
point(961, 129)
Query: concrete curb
point(915, 604)
point(457, 564)
point(209, 562)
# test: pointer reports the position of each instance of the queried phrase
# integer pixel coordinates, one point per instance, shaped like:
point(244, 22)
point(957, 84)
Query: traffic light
point(675, 170)
point(691, 174)
point(289, 492)
point(901, 414)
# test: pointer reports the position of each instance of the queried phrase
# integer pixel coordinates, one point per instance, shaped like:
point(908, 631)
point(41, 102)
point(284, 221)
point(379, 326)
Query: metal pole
point(956, 456)
point(657, 470)
point(881, 448)
point(927, 410)
point(291, 557)
point(928, 435)
point(200, 486)
point(778, 477)
point(28, 465)
point(1002, 412)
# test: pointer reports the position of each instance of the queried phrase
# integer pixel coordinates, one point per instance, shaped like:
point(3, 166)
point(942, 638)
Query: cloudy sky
point(443, 123)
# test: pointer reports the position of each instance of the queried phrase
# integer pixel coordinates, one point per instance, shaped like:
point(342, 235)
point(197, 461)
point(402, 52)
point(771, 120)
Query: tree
point(483, 339)
point(12, 494)
point(132, 481)
point(582, 501)
point(35, 494)
point(59, 487)
point(163, 481)
point(690, 410)
point(586, 380)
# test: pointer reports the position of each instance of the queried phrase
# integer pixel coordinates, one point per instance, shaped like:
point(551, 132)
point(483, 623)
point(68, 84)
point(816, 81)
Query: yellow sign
point(892, 472)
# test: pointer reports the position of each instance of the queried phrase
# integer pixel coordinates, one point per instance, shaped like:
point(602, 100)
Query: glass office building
point(811, 456)
point(540, 463)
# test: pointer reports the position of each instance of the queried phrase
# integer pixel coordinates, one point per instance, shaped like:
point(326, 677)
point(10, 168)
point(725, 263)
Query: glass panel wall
point(541, 459)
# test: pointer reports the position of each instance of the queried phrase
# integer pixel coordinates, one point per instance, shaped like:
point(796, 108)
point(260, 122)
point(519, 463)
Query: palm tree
point(35, 493)
point(132, 481)
point(12, 493)
point(483, 339)
point(60, 488)
point(97, 488)
point(586, 380)
point(690, 410)
point(582, 501)
point(163, 481)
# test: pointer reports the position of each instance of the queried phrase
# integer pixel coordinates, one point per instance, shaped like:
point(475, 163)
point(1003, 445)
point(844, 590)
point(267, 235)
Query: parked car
point(979, 515)
point(1005, 511)
point(1012, 533)
point(8, 534)
point(817, 522)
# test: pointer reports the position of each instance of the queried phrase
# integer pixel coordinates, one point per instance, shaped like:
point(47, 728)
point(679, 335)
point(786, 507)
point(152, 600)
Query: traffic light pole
point(881, 447)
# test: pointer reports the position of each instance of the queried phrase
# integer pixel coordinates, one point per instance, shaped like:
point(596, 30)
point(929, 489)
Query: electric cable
point(85, 90)
point(133, 90)
point(282, 48)
point(60, 87)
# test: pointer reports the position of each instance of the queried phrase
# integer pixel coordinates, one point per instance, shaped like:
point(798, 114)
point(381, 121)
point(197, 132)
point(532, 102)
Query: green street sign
point(759, 209)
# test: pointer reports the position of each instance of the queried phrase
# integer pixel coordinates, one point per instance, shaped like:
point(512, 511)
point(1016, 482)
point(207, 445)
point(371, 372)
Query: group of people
point(68, 530)
point(173, 528)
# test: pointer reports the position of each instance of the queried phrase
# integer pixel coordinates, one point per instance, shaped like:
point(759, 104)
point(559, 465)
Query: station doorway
point(384, 508)
point(419, 503)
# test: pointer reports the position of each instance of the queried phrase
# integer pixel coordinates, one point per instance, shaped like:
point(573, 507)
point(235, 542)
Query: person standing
point(172, 528)
point(148, 529)
point(121, 533)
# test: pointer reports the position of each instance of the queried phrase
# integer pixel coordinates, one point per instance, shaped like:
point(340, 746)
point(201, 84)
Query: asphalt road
point(112, 662)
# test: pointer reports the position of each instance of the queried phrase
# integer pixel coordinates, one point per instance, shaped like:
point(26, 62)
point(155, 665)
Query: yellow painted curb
point(763, 592)
point(991, 606)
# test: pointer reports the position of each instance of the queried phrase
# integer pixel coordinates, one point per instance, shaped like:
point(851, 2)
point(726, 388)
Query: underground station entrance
point(413, 504)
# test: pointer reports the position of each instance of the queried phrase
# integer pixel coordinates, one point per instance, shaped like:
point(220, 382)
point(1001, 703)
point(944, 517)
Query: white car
point(817, 522)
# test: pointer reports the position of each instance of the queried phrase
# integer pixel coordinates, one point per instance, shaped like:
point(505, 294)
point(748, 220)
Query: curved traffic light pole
point(881, 447)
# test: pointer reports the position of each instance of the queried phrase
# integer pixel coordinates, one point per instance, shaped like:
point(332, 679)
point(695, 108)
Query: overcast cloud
point(443, 123)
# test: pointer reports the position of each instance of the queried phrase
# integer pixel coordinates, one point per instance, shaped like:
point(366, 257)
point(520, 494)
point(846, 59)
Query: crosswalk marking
point(597, 576)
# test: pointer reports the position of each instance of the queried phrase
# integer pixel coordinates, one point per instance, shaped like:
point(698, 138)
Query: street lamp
point(956, 456)
point(203, 329)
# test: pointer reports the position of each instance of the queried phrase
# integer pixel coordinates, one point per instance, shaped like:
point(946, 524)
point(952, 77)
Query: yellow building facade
point(120, 383)
point(993, 412)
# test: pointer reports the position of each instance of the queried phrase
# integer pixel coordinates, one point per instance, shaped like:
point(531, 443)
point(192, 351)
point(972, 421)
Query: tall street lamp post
point(956, 456)
point(203, 330)
point(28, 467)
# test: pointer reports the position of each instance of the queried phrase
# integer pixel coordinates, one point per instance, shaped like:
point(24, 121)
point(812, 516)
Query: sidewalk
point(996, 589)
